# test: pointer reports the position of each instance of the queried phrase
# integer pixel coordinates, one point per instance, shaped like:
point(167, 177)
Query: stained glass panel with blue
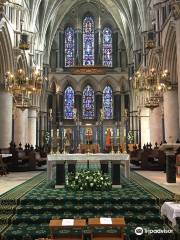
point(107, 47)
point(88, 102)
point(69, 47)
point(108, 102)
point(68, 102)
point(88, 41)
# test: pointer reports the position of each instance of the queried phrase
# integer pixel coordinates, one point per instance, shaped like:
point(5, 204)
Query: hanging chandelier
point(23, 87)
point(154, 83)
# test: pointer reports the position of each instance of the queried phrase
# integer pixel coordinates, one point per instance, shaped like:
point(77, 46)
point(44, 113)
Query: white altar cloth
point(53, 159)
point(6, 155)
point(171, 210)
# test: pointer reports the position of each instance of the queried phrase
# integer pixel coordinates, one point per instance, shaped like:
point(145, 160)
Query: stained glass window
point(88, 41)
point(107, 47)
point(88, 102)
point(108, 102)
point(69, 46)
point(68, 102)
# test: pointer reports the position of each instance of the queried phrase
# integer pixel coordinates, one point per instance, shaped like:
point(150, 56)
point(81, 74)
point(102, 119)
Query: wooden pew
point(116, 222)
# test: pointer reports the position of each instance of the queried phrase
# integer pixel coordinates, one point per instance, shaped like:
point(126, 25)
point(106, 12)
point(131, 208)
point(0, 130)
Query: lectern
point(170, 150)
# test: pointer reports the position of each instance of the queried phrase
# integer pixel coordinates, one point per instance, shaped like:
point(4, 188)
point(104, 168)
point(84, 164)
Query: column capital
point(78, 93)
point(175, 9)
point(98, 93)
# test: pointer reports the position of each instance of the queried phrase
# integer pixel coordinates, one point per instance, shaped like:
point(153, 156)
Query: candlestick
point(51, 132)
point(57, 132)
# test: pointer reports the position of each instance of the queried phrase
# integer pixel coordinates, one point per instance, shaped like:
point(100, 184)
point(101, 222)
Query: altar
point(109, 161)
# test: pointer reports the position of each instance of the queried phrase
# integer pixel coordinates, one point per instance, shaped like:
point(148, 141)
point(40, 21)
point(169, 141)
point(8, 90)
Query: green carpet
point(30, 207)
point(10, 199)
point(160, 193)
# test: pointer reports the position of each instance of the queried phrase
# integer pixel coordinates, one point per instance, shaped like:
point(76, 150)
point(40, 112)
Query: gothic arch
point(154, 61)
point(22, 63)
point(68, 80)
point(108, 80)
point(92, 81)
point(170, 53)
point(6, 52)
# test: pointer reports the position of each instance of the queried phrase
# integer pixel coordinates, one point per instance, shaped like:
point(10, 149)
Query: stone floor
point(13, 179)
point(160, 178)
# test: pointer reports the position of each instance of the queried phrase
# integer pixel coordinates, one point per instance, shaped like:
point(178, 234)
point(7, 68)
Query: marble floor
point(13, 179)
point(159, 177)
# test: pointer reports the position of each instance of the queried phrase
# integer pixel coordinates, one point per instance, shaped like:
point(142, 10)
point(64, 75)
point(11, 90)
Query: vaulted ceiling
point(43, 18)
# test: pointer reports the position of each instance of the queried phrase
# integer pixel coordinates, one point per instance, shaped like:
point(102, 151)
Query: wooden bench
point(58, 224)
point(116, 222)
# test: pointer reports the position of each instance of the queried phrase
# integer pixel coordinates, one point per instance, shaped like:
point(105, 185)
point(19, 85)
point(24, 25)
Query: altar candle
point(57, 132)
point(51, 132)
point(117, 132)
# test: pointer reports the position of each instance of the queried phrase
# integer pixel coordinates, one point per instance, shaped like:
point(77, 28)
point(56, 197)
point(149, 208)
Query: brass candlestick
point(64, 149)
point(112, 149)
point(119, 147)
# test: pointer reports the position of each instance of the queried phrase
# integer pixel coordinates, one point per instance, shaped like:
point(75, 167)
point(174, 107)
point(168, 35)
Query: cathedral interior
point(89, 77)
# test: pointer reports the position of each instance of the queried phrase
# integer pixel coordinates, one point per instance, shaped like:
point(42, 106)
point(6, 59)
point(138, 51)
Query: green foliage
point(88, 180)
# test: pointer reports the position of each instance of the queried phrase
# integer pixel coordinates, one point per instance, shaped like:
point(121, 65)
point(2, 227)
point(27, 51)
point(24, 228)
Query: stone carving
point(175, 9)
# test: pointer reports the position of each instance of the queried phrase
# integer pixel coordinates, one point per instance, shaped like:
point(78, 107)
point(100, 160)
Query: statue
point(108, 139)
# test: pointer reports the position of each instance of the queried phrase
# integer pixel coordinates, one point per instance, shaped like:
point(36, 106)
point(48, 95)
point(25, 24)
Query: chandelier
point(154, 83)
point(23, 86)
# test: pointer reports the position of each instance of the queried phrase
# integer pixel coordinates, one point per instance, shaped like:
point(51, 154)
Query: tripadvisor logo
point(139, 231)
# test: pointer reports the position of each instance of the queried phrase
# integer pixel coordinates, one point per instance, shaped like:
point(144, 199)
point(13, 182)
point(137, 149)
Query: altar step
point(31, 231)
point(44, 202)
point(30, 208)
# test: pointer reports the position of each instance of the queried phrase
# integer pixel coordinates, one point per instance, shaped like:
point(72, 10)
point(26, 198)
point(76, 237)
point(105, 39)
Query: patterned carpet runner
point(26, 210)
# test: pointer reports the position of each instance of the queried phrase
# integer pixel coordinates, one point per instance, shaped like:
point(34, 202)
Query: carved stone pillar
point(32, 117)
point(145, 126)
point(78, 104)
point(59, 107)
point(21, 126)
point(5, 119)
point(171, 117)
point(156, 126)
point(176, 14)
point(98, 104)
point(117, 107)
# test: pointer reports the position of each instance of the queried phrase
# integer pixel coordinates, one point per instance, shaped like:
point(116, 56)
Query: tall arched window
point(88, 102)
point(108, 102)
point(107, 47)
point(88, 41)
point(69, 46)
point(68, 102)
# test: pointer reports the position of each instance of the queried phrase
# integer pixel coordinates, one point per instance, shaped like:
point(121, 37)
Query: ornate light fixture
point(22, 87)
point(154, 83)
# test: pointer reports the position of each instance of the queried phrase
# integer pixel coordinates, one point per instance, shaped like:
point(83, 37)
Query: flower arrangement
point(88, 180)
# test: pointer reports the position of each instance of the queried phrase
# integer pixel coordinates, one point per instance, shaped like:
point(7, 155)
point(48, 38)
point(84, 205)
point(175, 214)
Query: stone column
point(117, 106)
point(156, 126)
point(171, 117)
point(5, 119)
point(178, 53)
point(98, 104)
point(21, 126)
point(145, 126)
point(32, 117)
point(78, 104)
point(59, 107)
point(122, 127)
